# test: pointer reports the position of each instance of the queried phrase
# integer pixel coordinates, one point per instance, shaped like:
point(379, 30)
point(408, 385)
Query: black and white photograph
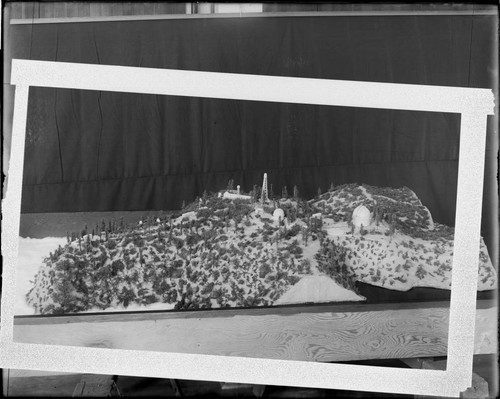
point(263, 228)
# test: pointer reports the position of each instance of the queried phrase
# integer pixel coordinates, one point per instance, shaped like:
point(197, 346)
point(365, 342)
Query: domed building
point(361, 216)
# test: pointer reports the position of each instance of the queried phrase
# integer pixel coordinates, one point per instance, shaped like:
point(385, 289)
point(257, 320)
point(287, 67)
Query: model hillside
point(231, 249)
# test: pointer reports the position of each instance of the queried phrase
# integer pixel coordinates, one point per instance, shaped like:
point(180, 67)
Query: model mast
point(264, 196)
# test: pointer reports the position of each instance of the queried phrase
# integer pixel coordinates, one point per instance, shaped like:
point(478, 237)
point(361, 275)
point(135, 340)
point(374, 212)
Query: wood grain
point(343, 307)
point(28, 10)
point(325, 336)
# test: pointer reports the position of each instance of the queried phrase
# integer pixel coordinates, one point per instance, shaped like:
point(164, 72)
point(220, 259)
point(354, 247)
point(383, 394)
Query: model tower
point(264, 197)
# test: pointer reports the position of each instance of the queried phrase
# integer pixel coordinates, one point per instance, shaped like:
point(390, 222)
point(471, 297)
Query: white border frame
point(473, 104)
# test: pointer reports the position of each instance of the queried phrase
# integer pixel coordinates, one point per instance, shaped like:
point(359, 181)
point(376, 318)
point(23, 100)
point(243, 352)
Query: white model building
point(361, 216)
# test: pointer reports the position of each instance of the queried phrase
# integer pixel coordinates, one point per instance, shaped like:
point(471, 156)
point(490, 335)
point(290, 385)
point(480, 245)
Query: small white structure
point(233, 196)
point(278, 215)
point(258, 209)
point(361, 216)
point(317, 216)
point(264, 197)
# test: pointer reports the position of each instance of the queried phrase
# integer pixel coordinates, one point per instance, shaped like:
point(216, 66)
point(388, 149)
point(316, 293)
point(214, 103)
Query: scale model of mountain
point(400, 246)
point(234, 250)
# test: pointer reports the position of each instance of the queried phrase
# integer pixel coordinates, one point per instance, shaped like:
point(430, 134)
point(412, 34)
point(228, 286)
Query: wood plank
point(138, 8)
point(43, 385)
point(335, 7)
point(94, 385)
point(128, 8)
point(166, 8)
point(16, 10)
point(95, 10)
point(58, 9)
point(97, 16)
point(77, 9)
point(5, 382)
point(114, 8)
point(326, 336)
point(45, 10)
point(149, 8)
point(28, 10)
point(230, 312)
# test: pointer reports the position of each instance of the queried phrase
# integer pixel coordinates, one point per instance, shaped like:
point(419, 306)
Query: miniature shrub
point(111, 244)
point(293, 279)
point(203, 213)
point(178, 242)
point(294, 248)
point(148, 299)
point(126, 296)
point(117, 266)
point(306, 264)
point(421, 272)
point(292, 232)
point(208, 288)
point(264, 270)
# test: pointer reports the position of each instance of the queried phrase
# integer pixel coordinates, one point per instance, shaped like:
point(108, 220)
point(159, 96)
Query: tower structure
point(264, 196)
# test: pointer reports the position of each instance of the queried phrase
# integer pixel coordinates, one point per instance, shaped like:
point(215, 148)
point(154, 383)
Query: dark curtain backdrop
point(101, 151)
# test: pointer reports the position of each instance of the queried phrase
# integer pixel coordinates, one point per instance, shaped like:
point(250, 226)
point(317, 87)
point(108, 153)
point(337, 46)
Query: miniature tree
point(332, 187)
point(392, 224)
point(362, 230)
point(319, 191)
point(284, 193)
point(230, 185)
point(295, 192)
point(305, 235)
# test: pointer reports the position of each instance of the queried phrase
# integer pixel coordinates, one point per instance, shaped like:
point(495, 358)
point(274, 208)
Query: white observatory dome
point(361, 216)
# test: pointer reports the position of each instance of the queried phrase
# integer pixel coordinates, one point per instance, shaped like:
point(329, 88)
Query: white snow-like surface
point(188, 215)
point(317, 289)
point(32, 251)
